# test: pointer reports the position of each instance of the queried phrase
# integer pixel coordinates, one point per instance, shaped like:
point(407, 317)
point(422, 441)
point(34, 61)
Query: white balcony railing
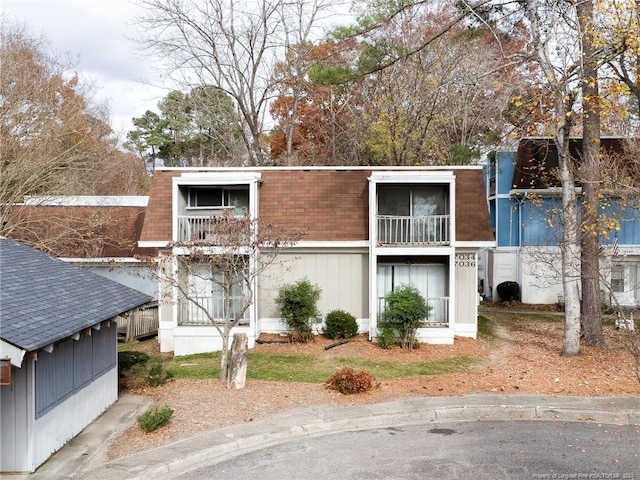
point(191, 310)
point(438, 316)
point(208, 228)
point(406, 230)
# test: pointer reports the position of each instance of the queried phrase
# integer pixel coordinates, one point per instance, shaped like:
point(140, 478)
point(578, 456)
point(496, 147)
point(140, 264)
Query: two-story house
point(366, 231)
point(525, 205)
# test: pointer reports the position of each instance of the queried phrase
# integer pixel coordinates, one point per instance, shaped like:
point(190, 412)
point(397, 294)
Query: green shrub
point(348, 381)
point(386, 337)
point(126, 360)
point(340, 324)
point(297, 302)
point(405, 310)
point(156, 373)
point(154, 417)
point(508, 291)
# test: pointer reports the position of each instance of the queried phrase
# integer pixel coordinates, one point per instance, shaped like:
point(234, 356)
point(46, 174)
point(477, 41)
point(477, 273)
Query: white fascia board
point(211, 250)
point(153, 243)
point(412, 251)
point(330, 244)
point(227, 170)
point(100, 260)
point(420, 176)
point(86, 201)
point(15, 354)
point(217, 178)
point(547, 192)
point(483, 244)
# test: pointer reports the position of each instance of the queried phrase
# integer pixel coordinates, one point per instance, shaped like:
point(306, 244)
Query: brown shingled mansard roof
point(326, 204)
point(537, 160)
point(81, 231)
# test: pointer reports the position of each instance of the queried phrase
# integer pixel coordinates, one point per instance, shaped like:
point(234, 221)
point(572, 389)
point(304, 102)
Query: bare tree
point(230, 45)
point(216, 278)
point(75, 231)
point(53, 141)
point(558, 61)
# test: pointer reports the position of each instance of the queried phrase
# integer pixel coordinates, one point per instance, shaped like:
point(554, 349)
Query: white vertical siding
point(466, 298)
point(59, 425)
point(343, 278)
point(14, 423)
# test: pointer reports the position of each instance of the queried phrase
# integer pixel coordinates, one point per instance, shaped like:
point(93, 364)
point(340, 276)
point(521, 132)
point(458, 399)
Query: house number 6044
point(466, 260)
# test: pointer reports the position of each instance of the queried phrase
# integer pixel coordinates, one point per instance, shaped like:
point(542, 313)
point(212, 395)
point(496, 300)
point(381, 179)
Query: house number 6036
point(466, 260)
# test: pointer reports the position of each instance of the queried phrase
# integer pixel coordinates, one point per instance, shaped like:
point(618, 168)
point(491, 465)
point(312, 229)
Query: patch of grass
point(543, 317)
point(486, 330)
point(128, 347)
point(310, 368)
point(202, 365)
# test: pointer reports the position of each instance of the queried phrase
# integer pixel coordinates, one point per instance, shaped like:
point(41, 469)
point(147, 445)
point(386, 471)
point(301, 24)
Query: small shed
point(58, 343)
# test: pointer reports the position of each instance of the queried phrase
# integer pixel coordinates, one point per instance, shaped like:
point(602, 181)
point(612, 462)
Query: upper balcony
point(418, 230)
point(413, 215)
point(215, 214)
point(225, 230)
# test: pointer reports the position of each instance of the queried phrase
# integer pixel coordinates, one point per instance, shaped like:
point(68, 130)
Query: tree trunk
point(238, 368)
point(224, 359)
point(570, 284)
point(590, 265)
point(570, 249)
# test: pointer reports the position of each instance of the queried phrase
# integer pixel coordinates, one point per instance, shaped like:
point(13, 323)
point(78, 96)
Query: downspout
point(373, 235)
point(520, 235)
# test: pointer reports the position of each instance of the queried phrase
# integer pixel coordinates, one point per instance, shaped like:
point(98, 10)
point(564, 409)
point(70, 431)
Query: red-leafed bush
point(348, 381)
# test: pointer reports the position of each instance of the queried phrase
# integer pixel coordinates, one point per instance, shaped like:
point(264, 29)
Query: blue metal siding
point(629, 222)
point(542, 222)
point(508, 226)
point(45, 381)
point(54, 377)
point(72, 365)
point(104, 350)
point(83, 361)
point(505, 166)
point(63, 372)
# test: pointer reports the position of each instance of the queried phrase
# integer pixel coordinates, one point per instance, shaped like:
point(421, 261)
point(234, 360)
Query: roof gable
point(45, 300)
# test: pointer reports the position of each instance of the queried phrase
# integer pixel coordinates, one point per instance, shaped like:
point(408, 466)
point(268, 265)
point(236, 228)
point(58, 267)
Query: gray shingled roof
point(44, 300)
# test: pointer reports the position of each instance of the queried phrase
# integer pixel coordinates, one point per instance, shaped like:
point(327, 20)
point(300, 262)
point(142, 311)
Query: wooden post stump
point(238, 367)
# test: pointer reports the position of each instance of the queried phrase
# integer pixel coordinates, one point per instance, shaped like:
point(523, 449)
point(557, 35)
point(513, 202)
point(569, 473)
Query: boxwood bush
point(340, 324)
point(508, 291)
point(297, 303)
point(126, 360)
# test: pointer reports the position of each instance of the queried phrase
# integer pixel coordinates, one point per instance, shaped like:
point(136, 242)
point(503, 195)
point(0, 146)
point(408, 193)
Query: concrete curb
point(222, 444)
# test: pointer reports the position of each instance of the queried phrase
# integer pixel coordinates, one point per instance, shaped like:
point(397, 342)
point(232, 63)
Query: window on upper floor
point(218, 197)
point(413, 201)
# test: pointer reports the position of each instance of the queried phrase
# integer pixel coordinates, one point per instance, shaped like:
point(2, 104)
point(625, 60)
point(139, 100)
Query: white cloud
point(98, 33)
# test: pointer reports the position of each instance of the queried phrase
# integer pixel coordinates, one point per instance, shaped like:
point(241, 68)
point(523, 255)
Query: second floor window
point(413, 201)
point(218, 197)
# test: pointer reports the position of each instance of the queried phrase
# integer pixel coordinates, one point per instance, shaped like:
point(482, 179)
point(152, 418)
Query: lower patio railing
point(191, 311)
point(438, 316)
